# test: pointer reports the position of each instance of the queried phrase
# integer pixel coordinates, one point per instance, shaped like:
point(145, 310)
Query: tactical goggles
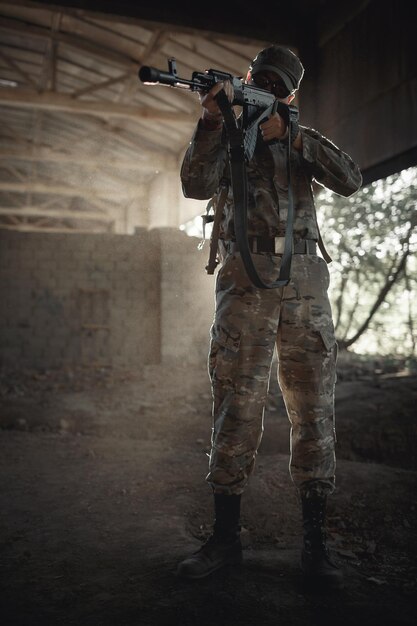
point(278, 87)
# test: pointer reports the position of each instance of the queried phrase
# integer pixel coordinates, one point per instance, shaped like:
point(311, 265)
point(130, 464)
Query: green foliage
point(367, 235)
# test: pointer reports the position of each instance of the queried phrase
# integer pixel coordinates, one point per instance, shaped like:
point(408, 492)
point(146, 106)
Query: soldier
point(250, 321)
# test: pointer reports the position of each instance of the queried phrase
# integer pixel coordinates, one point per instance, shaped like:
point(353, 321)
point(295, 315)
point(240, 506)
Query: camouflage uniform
point(249, 321)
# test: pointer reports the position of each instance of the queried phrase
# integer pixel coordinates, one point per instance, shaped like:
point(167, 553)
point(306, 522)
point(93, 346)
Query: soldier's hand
point(273, 128)
point(211, 109)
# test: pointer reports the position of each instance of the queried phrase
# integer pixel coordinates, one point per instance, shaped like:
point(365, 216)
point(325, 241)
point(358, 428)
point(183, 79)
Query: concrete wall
point(366, 87)
point(110, 300)
point(187, 298)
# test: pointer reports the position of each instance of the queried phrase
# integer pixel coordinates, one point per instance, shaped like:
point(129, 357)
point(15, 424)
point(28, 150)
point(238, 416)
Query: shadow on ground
point(103, 492)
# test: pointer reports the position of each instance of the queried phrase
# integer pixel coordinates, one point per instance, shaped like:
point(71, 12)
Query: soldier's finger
point(217, 87)
point(268, 125)
point(228, 88)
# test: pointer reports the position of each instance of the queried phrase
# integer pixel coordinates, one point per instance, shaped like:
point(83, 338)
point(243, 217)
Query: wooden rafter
point(101, 85)
point(34, 211)
point(14, 171)
point(62, 190)
point(15, 66)
point(85, 107)
point(52, 101)
point(26, 227)
point(102, 53)
point(150, 163)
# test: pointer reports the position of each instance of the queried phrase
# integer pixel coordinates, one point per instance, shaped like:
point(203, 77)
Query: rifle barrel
point(153, 76)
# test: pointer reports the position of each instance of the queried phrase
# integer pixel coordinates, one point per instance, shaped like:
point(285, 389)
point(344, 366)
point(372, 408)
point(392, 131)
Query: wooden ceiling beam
point(15, 66)
point(150, 163)
point(101, 85)
point(34, 211)
point(28, 228)
point(102, 53)
point(235, 34)
point(62, 190)
point(14, 171)
point(49, 100)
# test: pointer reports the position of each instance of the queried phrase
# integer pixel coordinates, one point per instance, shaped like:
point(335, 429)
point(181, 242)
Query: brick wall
point(187, 298)
point(113, 300)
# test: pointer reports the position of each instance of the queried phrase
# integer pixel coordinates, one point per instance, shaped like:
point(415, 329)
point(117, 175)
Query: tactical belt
point(273, 245)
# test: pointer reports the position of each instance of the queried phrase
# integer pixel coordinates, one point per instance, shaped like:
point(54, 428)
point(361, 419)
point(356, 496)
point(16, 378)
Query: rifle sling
point(326, 255)
point(240, 197)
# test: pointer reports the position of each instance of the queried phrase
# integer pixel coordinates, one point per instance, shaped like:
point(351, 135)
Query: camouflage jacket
point(206, 163)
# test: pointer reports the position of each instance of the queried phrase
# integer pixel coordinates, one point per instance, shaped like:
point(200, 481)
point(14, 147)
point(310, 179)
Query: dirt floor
point(103, 492)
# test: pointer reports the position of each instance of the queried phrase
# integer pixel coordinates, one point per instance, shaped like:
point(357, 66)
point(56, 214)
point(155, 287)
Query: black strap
point(240, 197)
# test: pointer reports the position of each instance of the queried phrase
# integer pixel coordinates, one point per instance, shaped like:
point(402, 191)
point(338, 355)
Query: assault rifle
point(242, 134)
point(257, 103)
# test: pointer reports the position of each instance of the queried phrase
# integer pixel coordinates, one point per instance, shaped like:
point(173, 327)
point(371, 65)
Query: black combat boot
point(319, 572)
point(223, 547)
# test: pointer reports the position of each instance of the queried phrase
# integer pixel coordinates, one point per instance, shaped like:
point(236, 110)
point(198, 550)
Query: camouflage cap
point(281, 61)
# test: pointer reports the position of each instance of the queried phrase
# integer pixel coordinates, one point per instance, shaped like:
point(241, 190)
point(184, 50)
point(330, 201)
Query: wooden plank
point(28, 228)
point(34, 211)
point(62, 190)
point(53, 101)
point(16, 67)
point(101, 85)
point(140, 162)
point(101, 52)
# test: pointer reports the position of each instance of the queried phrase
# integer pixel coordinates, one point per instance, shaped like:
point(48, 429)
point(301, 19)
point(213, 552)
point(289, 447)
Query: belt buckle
point(279, 245)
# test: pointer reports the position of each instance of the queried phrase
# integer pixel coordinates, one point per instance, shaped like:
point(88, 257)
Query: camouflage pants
point(248, 323)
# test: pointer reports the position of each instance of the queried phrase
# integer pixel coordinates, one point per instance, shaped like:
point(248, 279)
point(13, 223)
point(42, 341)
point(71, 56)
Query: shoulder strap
point(326, 255)
point(239, 186)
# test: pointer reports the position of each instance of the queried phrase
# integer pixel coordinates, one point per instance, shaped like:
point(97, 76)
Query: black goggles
point(278, 88)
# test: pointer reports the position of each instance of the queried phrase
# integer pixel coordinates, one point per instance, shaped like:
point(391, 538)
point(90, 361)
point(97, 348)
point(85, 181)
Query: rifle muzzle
point(151, 76)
